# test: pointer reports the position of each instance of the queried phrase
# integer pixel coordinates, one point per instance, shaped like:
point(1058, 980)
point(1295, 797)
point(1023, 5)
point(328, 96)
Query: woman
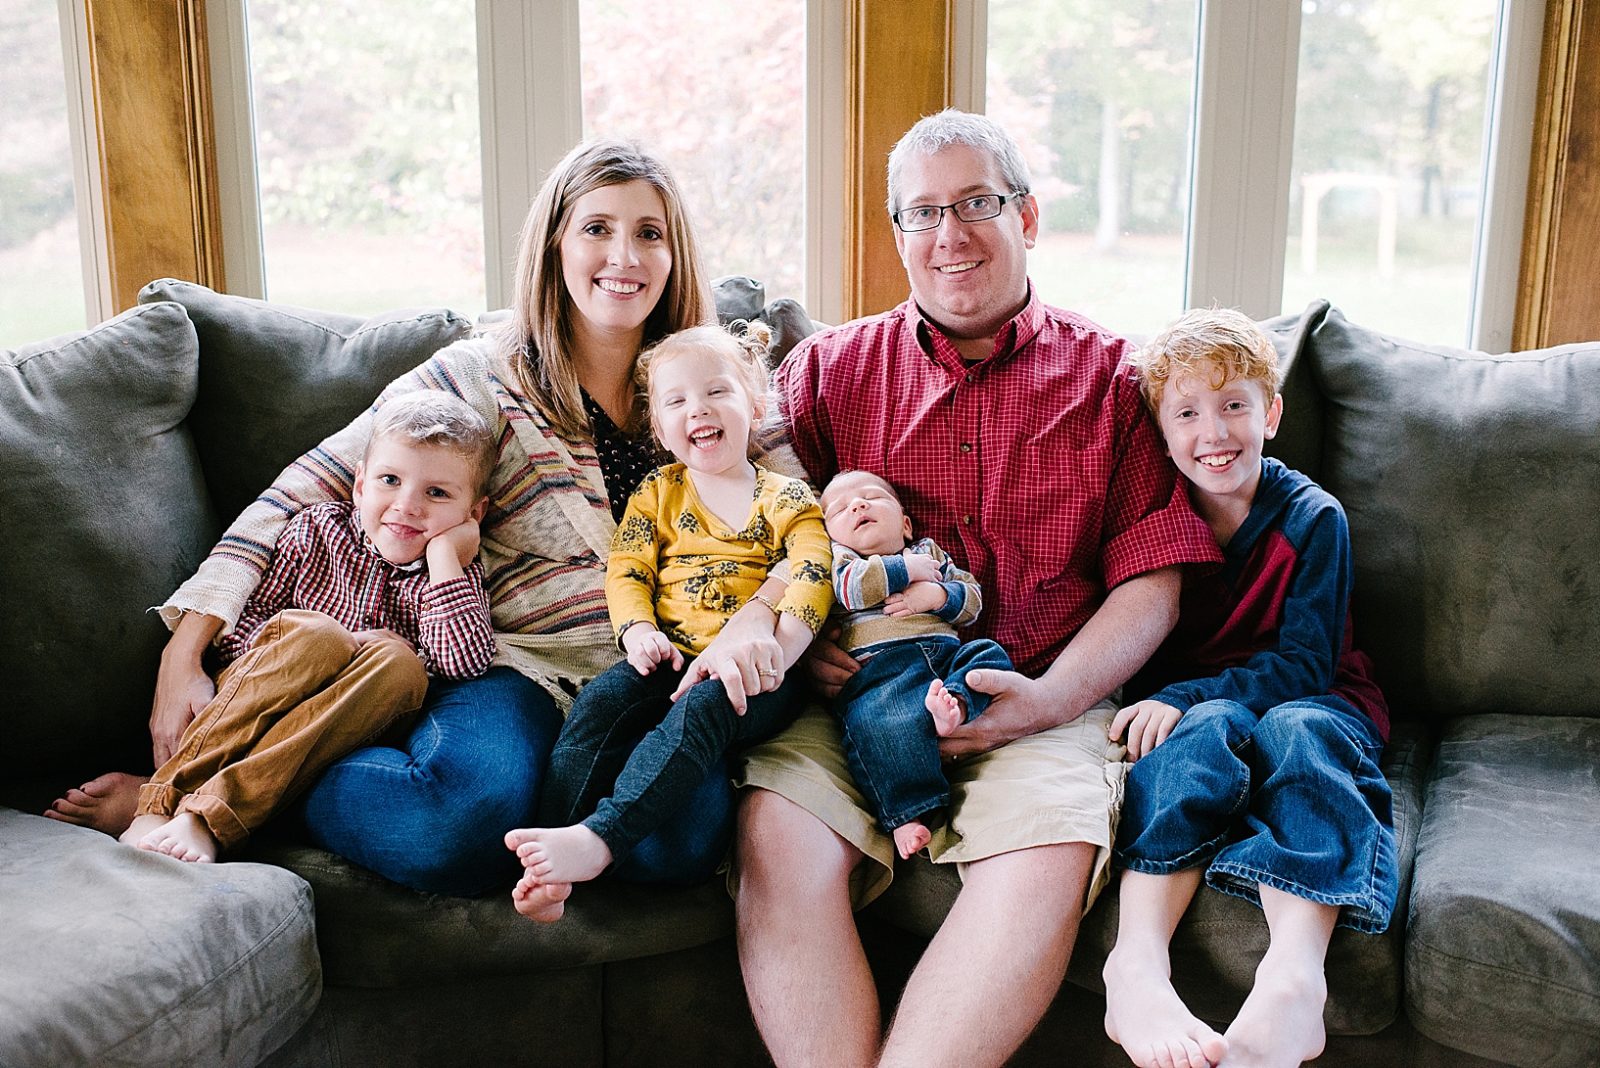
point(606, 264)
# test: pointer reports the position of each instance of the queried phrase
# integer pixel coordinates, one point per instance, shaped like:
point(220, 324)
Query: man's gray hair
point(952, 127)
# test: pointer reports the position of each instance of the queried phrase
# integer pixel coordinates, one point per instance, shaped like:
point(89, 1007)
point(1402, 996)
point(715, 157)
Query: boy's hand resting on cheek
point(918, 597)
point(1148, 723)
point(450, 551)
point(646, 647)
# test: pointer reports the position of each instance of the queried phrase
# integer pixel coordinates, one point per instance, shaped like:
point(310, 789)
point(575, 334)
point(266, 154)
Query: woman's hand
point(916, 598)
point(1148, 723)
point(182, 686)
point(745, 656)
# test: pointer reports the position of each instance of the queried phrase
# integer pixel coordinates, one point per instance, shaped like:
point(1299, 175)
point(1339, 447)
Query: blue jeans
point(432, 815)
point(1292, 799)
point(629, 758)
point(889, 738)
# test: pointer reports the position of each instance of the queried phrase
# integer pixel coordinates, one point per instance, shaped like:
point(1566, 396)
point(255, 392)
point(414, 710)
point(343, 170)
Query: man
point(1017, 443)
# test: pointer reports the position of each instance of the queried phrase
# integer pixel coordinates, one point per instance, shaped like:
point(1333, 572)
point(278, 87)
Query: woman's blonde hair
point(745, 347)
point(536, 345)
point(1216, 345)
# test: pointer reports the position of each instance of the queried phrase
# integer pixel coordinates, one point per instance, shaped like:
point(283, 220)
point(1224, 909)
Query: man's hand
point(364, 638)
point(646, 647)
point(829, 666)
point(450, 551)
point(1021, 706)
point(916, 598)
point(1148, 723)
point(920, 567)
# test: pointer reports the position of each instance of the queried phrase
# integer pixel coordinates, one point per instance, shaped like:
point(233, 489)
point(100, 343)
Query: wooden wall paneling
point(1561, 245)
point(899, 71)
point(152, 96)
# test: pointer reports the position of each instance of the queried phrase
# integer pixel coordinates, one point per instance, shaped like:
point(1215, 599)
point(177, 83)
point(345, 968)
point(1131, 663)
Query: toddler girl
point(698, 539)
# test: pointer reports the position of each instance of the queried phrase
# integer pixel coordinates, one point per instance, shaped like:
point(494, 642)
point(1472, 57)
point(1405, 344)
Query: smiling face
point(702, 410)
point(1215, 434)
point(616, 257)
point(861, 512)
point(970, 278)
point(407, 493)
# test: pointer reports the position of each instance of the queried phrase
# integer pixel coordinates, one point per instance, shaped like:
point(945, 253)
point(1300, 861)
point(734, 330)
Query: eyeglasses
point(971, 210)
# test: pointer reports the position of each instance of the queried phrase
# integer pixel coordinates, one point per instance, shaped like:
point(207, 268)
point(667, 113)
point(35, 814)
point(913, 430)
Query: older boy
point(901, 602)
point(362, 601)
point(1259, 773)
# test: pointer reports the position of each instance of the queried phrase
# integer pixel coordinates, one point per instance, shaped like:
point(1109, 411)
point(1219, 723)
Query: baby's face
point(862, 513)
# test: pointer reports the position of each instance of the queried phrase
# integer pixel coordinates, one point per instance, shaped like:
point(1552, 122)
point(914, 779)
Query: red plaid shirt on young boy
point(1037, 468)
point(323, 562)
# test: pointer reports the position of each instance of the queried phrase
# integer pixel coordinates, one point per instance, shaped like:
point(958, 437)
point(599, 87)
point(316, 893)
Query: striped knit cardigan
point(545, 537)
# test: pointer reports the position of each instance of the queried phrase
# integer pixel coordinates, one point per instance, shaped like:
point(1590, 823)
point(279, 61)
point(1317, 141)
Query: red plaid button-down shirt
point(1038, 469)
point(323, 562)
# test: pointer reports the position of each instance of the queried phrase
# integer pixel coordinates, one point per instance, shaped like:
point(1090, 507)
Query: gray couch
point(1471, 483)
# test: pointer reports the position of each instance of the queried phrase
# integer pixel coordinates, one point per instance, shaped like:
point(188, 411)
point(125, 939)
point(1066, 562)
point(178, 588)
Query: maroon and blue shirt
point(1272, 625)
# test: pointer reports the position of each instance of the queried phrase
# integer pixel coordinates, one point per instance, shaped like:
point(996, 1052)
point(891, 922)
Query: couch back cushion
point(104, 511)
point(1472, 485)
point(276, 379)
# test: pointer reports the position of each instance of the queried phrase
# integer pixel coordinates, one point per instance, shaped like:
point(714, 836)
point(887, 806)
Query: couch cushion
point(1503, 956)
point(1471, 483)
point(375, 933)
point(114, 956)
point(103, 512)
point(1221, 938)
point(276, 379)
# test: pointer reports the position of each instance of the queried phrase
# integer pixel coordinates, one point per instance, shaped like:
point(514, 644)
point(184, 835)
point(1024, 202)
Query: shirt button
point(967, 379)
point(966, 446)
point(967, 520)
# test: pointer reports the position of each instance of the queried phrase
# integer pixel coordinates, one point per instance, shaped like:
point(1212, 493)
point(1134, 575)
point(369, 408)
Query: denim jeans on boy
point(629, 758)
point(433, 814)
point(889, 738)
point(1292, 799)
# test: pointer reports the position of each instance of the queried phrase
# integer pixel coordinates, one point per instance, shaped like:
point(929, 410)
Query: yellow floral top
point(677, 565)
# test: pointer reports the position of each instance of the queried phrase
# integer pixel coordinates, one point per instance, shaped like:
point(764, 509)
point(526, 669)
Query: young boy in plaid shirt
point(364, 600)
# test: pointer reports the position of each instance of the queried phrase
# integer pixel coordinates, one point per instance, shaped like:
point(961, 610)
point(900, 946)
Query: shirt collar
point(1010, 339)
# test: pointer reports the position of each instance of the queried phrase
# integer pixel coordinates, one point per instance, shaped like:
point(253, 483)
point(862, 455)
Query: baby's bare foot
point(105, 803)
point(184, 836)
point(945, 707)
point(1145, 1016)
point(561, 854)
point(909, 838)
point(1280, 1023)
point(540, 902)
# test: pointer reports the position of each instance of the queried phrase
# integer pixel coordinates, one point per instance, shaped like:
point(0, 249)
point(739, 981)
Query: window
point(1099, 94)
point(1348, 149)
point(367, 153)
point(717, 89)
point(41, 277)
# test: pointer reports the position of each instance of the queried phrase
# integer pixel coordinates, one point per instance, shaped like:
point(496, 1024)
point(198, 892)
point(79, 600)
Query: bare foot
point(184, 836)
point(1145, 1016)
point(141, 826)
point(105, 803)
point(910, 837)
point(560, 854)
point(1280, 1023)
point(540, 902)
point(946, 708)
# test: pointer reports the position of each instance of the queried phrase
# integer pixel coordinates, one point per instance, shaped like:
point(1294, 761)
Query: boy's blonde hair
point(1216, 345)
point(430, 417)
point(745, 347)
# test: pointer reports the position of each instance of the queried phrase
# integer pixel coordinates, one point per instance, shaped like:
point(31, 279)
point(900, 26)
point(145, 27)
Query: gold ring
point(767, 674)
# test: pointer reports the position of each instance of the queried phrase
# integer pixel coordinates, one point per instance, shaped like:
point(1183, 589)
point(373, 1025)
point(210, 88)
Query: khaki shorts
point(1061, 785)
